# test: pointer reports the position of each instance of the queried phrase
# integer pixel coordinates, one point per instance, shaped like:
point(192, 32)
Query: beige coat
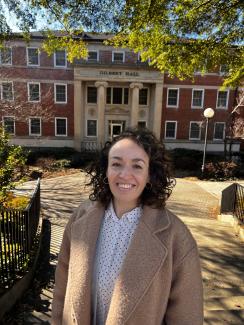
point(160, 281)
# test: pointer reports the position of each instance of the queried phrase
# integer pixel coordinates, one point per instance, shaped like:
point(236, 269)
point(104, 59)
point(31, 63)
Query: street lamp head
point(208, 112)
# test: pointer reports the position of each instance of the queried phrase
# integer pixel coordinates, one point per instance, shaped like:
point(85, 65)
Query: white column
point(157, 110)
point(135, 86)
point(101, 98)
point(78, 115)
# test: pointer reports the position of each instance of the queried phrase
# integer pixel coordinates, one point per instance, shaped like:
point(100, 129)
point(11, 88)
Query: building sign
point(120, 73)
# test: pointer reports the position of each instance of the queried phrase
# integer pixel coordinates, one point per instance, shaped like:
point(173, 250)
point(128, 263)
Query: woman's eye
point(138, 167)
point(115, 164)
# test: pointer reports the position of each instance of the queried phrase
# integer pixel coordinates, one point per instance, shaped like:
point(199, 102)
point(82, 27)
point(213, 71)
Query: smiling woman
point(125, 258)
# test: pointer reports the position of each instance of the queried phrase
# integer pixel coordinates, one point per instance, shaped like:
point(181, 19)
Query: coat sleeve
point(61, 276)
point(185, 306)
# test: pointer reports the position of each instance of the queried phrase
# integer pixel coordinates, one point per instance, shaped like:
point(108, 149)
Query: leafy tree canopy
point(178, 36)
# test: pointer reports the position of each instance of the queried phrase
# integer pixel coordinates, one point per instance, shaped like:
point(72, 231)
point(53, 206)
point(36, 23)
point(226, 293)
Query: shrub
point(16, 202)
point(12, 165)
point(221, 170)
point(186, 159)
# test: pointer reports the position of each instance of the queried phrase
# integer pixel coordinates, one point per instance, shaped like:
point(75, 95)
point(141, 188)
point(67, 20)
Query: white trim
point(178, 95)
point(215, 139)
point(144, 105)
point(202, 99)
point(121, 52)
point(142, 121)
point(227, 99)
point(196, 122)
point(91, 119)
point(165, 128)
point(11, 117)
point(35, 134)
point(28, 88)
point(92, 60)
point(66, 126)
point(7, 82)
point(6, 47)
point(27, 56)
point(55, 100)
point(60, 66)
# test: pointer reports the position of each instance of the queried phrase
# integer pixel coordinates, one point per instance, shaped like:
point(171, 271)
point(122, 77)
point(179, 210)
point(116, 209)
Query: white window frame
point(27, 56)
point(142, 121)
point(91, 119)
point(202, 100)
point(1, 85)
point(223, 72)
point(199, 123)
point(35, 134)
point(165, 129)
point(66, 126)
point(55, 91)
point(92, 60)
point(12, 117)
point(215, 139)
point(178, 95)
point(60, 66)
point(227, 99)
point(123, 95)
point(144, 105)
point(121, 52)
point(28, 87)
point(11, 50)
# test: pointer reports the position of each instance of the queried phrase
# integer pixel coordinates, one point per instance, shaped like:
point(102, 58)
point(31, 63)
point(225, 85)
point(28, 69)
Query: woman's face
point(128, 172)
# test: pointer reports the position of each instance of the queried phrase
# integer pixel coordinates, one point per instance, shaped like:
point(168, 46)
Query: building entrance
point(115, 128)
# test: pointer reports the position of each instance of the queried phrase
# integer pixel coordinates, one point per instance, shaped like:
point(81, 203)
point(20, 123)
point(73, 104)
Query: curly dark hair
point(159, 170)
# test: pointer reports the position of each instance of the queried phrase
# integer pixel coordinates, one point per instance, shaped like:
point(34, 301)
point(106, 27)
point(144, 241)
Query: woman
point(125, 258)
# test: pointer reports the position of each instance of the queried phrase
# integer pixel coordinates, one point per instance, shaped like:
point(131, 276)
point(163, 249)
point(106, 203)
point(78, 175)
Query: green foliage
point(178, 36)
point(16, 202)
point(12, 165)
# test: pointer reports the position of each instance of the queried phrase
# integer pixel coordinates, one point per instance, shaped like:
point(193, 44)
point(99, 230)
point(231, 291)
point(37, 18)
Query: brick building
point(85, 103)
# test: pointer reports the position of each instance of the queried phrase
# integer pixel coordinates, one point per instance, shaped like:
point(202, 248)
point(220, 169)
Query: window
point(91, 95)
point(170, 129)
point(60, 126)
point(33, 92)
point(7, 91)
point(219, 131)
point(6, 56)
point(60, 93)
point(222, 99)
point(143, 96)
point(197, 98)
point(118, 57)
point(91, 128)
point(224, 69)
point(142, 124)
point(35, 126)
point(60, 58)
point(195, 131)
point(116, 95)
point(9, 124)
point(172, 98)
point(32, 56)
point(92, 56)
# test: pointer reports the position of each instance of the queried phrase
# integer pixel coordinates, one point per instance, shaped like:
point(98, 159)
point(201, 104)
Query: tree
point(12, 163)
point(178, 36)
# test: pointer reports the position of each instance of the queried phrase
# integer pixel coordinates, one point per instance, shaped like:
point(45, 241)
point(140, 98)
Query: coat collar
point(145, 256)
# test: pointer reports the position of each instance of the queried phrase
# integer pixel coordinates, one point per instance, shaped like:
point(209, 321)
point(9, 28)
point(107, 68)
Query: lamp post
point(208, 113)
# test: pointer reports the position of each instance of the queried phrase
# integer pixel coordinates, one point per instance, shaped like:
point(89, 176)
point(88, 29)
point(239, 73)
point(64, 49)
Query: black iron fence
point(18, 229)
point(232, 201)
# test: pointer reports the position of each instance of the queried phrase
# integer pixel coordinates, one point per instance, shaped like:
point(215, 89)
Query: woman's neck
point(122, 208)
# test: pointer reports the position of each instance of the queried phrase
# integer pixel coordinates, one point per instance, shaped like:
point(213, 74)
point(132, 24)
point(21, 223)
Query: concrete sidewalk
point(221, 252)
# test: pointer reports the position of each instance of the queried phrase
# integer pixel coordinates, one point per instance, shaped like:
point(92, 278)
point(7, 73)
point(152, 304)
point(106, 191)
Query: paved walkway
point(220, 250)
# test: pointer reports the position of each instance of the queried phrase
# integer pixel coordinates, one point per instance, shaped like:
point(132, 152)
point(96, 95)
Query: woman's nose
point(125, 171)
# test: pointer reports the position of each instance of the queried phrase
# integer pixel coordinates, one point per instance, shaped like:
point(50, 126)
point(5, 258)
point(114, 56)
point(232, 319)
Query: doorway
point(115, 128)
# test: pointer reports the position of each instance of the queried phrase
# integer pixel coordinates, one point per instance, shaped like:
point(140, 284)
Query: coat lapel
point(84, 235)
point(145, 256)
